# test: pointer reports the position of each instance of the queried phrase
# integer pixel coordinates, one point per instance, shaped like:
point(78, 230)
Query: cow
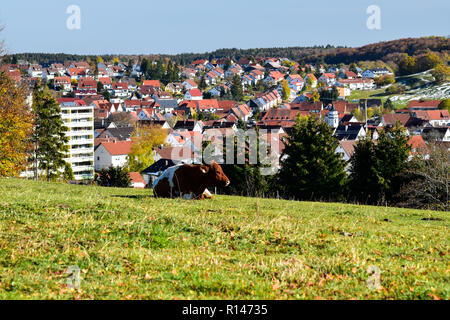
point(184, 180)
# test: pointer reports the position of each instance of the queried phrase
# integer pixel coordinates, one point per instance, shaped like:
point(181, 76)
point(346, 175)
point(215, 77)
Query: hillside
point(417, 86)
point(330, 54)
point(129, 245)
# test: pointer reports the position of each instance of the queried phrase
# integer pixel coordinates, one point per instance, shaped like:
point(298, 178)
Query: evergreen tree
point(202, 85)
point(364, 179)
point(49, 133)
point(115, 177)
point(376, 169)
point(236, 88)
point(312, 169)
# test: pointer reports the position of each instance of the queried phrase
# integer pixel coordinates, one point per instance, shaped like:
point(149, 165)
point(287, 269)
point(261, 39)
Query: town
point(102, 103)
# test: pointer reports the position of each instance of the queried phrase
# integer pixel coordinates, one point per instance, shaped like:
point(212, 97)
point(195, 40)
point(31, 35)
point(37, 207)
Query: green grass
point(366, 94)
point(129, 245)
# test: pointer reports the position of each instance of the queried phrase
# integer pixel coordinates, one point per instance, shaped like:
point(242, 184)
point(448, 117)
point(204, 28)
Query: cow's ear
point(204, 169)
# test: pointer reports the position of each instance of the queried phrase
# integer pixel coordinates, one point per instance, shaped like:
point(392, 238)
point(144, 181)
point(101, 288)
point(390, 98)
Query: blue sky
point(175, 26)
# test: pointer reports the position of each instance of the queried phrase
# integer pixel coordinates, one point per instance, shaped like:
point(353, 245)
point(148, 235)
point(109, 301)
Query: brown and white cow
point(185, 180)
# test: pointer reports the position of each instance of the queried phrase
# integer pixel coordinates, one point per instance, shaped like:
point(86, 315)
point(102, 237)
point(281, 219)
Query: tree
point(396, 89)
point(385, 80)
point(388, 105)
point(49, 134)
point(202, 84)
point(144, 140)
point(429, 61)
point(364, 181)
point(16, 125)
point(236, 88)
point(114, 177)
point(329, 95)
point(285, 90)
point(99, 86)
point(375, 169)
point(407, 64)
point(105, 93)
point(445, 104)
point(441, 73)
point(426, 182)
point(122, 119)
point(315, 96)
point(312, 169)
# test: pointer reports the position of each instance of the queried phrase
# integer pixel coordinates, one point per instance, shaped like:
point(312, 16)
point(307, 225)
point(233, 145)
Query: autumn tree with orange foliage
point(144, 139)
point(16, 125)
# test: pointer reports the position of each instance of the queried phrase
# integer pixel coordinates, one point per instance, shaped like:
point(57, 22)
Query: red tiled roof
point(424, 104)
point(117, 148)
point(152, 83)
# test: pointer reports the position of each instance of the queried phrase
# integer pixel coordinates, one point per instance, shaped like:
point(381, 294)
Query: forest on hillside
point(383, 51)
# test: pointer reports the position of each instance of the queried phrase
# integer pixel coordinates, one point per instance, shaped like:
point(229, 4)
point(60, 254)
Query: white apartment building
point(79, 119)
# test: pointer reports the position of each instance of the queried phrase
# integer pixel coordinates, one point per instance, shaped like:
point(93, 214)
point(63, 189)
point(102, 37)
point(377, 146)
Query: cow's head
point(214, 175)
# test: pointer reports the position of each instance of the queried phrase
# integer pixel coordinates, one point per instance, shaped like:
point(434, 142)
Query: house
point(189, 73)
point(350, 131)
point(372, 73)
point(274, 77)
point(106, 82)
point(15, 75)
point(87, 84)
point(120, 90)
point(437, 118)
point(436, 134)
point(233, 71)
point(329, 79)
point(152, 83)
point(280, 117)
point(63, 83)
point(391, 119)
point(193, 94)
point(247, 80)
point(76, 73)
point(418, 146)
point(211, 78)
point(343, 92)
point(35, 71)
point(188, 125)
point(146, 113)
point(266, 101)
point(136, 180)
point(357, 84)
point(207, 105)
point(310, 78)
point(346, 148)
point(424, 104)
point(257, 75)
point(113, 153)
point(242, 112)
point(190, 84)
point(165, 105)
point(132, 85)
point(119, 134)
point(182, 154)
point(348, 75)
point(174, 87)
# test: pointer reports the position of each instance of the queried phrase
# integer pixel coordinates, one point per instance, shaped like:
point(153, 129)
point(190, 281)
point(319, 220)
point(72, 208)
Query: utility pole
point(365, 107)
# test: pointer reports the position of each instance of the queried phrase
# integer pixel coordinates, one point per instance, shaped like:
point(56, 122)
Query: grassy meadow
point(129, 245)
